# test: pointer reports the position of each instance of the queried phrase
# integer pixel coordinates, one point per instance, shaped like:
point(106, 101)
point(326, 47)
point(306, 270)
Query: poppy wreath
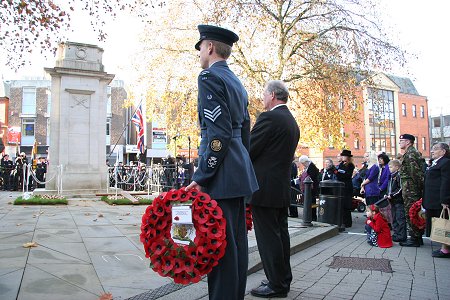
point(416, 216)
point(184, 263)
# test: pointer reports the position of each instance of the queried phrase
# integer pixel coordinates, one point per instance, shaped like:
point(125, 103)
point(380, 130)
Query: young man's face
point(204, 54)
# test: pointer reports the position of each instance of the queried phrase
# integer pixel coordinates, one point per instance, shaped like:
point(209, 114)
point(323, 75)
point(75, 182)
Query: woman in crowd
point(328, 173)
point(383, 181)
point(310, 169)
point(344, 174)
point(437, 190)
point(369, 187)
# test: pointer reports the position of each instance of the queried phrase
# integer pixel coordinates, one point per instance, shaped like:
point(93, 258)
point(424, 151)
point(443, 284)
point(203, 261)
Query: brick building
point(391, 106)
point(27, 115)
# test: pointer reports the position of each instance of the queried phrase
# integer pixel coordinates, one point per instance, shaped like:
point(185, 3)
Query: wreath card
point(183, 230)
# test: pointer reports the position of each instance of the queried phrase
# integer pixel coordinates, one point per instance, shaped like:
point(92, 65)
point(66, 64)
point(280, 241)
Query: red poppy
point(188, 265)
point(203, 198)
point(167, 263)
point(173, 195)
point(158, 247)
point(182, 278)
point(200, 217)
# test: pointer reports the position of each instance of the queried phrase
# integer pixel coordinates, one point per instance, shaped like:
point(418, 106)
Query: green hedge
point(125, 201)
point(39, 200)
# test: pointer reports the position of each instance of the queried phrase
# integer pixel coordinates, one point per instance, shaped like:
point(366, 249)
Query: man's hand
point(193, 185)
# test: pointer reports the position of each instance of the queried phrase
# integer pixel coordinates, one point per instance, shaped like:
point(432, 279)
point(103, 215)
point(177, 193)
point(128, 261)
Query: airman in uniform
point(224, 170)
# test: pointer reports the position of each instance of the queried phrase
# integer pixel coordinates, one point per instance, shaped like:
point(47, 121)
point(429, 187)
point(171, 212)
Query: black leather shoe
point(411, 242)
point(264, 291)
point(421, 240)
point(398, 240)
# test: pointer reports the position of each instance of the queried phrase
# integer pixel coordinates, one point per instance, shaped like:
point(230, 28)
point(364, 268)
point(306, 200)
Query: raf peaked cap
point(346, 152)
point(209, 32)
point(407, 136)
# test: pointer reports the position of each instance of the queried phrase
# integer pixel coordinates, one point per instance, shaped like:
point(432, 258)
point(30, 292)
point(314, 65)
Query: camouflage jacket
point(411, 172)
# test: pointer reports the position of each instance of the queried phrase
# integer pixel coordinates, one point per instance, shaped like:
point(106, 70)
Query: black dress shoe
point(293, 216)
point(421, 240)
point(398, 240)
point(411, 242)
point(264, 291)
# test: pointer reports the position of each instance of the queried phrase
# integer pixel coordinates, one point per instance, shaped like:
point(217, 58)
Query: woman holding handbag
point(437, 191)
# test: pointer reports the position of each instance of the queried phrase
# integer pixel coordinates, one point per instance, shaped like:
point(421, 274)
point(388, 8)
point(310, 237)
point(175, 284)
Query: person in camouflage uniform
point(412, 181)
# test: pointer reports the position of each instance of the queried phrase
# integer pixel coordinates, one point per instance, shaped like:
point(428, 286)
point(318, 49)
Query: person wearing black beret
point(225, 170)
point(412, 178)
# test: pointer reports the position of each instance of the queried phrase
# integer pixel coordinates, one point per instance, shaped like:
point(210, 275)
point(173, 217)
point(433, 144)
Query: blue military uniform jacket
point(224, 168)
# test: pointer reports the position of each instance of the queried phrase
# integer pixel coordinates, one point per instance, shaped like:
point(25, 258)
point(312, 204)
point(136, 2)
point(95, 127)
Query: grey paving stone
point(10, 283)
point(36, 283)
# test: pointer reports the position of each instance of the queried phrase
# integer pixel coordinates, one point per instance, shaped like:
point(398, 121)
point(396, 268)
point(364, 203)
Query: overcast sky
point(422, 28)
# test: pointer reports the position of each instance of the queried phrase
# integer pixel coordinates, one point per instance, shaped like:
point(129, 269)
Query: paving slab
point(40, 285)
point(10, 282)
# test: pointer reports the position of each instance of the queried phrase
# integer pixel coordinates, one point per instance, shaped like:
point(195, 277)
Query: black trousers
point(228, 279)
point(272, 237)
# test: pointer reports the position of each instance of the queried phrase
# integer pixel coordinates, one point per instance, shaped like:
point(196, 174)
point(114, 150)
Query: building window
point(436, 122)
point(341, 103)
point(356, 143)
point(108, 131)
point(108, 101)
point(48, 131)
point(414, 111)
point(49, 101)
point(27, 132)
point(422, 112)
point(424, 144)
point(404, 109)
point(29, 100)
point(382, 121)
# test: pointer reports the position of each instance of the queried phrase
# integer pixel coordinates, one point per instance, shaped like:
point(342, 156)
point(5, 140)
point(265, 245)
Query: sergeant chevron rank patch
point(216, 145)
point(212, 114)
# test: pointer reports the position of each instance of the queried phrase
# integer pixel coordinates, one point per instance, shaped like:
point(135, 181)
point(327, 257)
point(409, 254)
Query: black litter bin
point(330, 198)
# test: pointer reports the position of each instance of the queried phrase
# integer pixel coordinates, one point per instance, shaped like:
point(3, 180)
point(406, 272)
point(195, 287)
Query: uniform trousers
point(274, 246)
point(409, 200)
point(228, 279)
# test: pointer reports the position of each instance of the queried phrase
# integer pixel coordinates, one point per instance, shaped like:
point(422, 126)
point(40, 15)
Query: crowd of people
point(14, 176)
point(392, 190)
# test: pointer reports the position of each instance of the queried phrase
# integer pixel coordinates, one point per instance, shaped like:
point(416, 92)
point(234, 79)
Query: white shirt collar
point(278, 105)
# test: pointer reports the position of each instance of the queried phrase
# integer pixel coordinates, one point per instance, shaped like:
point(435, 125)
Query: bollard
point(307, 202)
point(341, 227)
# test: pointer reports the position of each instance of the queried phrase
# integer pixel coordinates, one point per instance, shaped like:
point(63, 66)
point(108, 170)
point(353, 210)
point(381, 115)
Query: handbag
point(440, 228)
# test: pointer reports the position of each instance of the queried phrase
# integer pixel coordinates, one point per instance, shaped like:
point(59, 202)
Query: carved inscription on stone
point(79, 100)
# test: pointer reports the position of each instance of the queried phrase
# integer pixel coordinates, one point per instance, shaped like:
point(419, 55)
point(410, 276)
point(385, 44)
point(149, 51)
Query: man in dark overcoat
point(274, 139)
point(224, 170)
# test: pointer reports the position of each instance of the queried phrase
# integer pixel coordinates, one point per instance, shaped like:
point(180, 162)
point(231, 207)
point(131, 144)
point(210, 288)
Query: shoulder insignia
point(212, 162)
point(212, 114)
point(216, 145)
point(204, 72)
point(209, 97)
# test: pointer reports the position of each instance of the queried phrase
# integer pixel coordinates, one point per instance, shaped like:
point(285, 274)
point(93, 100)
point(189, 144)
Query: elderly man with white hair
point(310, 169)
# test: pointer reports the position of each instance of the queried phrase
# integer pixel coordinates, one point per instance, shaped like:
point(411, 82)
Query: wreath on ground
point(184, 263)
point(416, 215)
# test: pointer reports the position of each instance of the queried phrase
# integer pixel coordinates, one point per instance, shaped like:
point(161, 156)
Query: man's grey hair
point(279, 88)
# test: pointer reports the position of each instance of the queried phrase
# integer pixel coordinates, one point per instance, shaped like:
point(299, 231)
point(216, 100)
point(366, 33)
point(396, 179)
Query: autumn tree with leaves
point(25, 24)
point(321, 48)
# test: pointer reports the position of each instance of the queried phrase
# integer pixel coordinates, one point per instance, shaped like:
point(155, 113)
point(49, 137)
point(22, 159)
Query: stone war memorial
point(78, 121)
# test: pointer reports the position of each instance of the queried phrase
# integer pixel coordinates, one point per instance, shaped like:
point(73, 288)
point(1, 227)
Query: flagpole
point(124, 128)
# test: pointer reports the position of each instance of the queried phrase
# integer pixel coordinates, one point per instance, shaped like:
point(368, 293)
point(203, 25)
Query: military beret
point(407, 136)
point(209, 32)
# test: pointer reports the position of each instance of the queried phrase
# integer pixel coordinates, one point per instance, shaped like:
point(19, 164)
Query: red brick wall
point(416, 126)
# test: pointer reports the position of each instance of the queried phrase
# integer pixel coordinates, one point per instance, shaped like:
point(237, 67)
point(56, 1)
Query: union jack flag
point(138, 121)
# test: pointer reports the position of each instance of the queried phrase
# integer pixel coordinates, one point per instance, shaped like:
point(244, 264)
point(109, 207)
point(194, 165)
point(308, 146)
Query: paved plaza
point(88, 248)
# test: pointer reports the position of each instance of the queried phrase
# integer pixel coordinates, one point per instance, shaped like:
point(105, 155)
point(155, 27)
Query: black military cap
point(209, 32)
point(407, 136)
